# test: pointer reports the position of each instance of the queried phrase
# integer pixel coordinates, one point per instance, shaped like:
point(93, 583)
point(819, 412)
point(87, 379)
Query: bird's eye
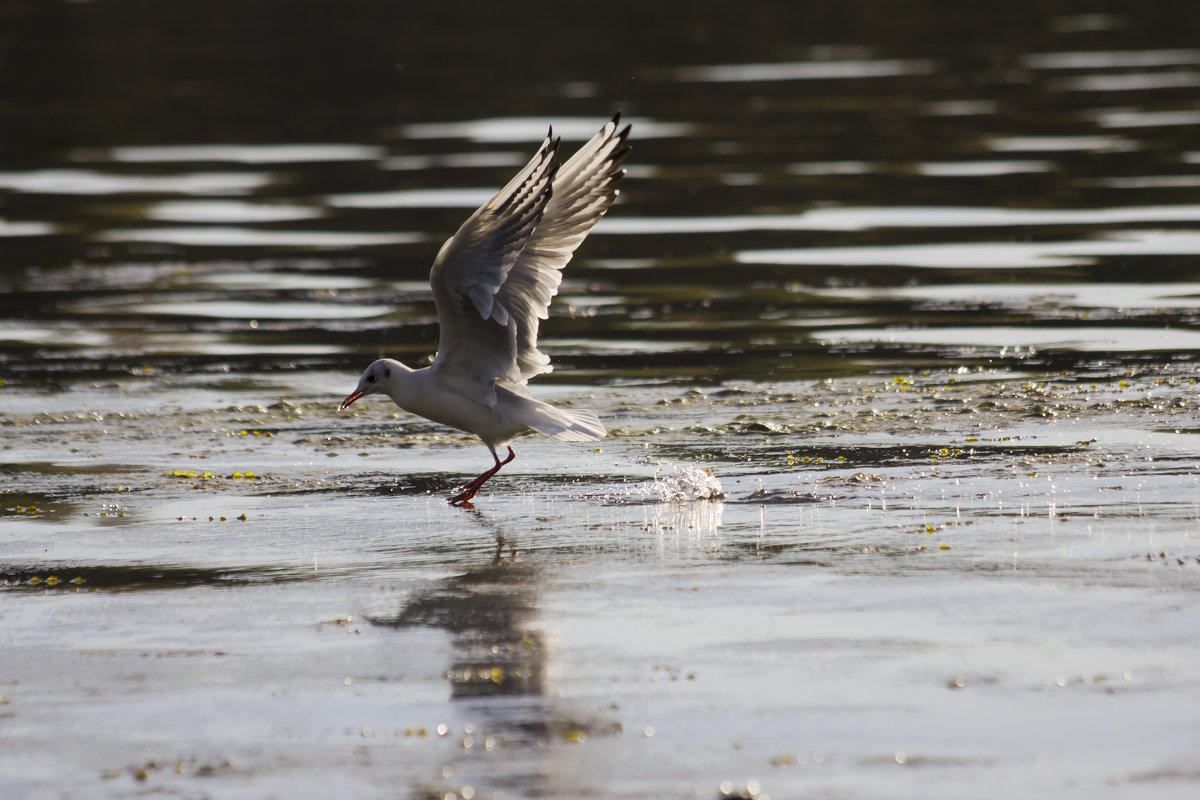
point(371, 378)
point(387, 372)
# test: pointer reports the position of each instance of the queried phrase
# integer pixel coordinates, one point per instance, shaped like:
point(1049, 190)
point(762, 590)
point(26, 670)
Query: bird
point(493, 282)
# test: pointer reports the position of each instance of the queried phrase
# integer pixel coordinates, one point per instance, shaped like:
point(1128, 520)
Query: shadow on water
point(384, 484)
point(132, 578)
point(798, 454)
point(37, 506)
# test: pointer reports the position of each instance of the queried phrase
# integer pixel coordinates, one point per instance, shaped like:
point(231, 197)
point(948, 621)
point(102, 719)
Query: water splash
point(673, 483)
point(687, 483)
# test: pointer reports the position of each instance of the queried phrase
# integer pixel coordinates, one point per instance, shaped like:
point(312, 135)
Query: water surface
point(895, 327)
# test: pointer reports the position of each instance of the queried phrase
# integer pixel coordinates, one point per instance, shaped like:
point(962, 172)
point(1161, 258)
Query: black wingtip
point(620, 134)
point(550, 143)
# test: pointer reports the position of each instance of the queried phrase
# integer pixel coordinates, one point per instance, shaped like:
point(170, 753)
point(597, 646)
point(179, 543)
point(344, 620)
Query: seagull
point(492, 282)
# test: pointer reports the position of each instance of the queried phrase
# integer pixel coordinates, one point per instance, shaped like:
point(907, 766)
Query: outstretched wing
point(494, 279)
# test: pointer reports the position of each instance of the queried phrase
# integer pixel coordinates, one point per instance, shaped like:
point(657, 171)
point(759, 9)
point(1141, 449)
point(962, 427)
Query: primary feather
point(494, 279)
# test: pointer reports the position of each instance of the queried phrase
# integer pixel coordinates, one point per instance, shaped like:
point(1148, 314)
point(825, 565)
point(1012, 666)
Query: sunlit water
point(895, 327)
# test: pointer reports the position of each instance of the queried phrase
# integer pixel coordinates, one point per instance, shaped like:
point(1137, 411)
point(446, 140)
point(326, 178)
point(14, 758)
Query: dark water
point(896, 327)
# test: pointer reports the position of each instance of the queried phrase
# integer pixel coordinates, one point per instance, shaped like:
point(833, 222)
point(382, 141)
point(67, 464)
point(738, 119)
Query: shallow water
point(895, 328)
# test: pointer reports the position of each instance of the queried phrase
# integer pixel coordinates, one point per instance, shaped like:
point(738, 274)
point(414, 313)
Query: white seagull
point(492, 282)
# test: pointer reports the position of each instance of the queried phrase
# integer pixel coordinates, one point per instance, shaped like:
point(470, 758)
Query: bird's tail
point(570, 424)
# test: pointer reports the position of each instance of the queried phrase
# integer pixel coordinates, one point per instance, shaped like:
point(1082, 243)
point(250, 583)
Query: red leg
point(468, 491)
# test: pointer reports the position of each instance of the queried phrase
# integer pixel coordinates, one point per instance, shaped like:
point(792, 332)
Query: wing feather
point(494, 279)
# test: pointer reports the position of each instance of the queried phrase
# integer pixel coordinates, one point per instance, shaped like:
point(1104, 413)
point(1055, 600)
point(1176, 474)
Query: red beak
point(346, 403)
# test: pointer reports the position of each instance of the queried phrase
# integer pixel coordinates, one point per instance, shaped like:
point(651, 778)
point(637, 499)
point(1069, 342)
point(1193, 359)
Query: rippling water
point(896, 326)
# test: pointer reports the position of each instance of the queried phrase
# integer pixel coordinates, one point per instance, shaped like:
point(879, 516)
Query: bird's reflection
point(499, 668)
point(490, 610)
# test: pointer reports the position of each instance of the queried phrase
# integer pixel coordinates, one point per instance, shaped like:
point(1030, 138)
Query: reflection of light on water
point(623, 346)
point(454, 160)
point(862, 218)
point(1127, 82)
point(90, 182)
point(1110, 59)
point(530, 129)
point(253, 237)
point(1089, 339)
point(413, 198)
point(247, 153)
point(1058, 295)
point(698, 522)
point(804, 70)
point(24, 228)
point(1063, 144)
point(1136, 118)
point(52, 334)
point(228, 211)
point(979, 169)
point(986, 255)
point(1146, 182)
point(235, 309)
point(283, 281)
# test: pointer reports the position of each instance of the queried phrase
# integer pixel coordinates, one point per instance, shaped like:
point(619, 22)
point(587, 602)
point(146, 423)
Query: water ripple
point(93, 182)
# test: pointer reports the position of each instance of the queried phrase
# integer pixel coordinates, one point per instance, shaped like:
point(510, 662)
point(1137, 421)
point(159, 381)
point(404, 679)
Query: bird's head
point(384, 375)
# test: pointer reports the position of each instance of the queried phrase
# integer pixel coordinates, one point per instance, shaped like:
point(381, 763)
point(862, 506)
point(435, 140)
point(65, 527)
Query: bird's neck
point(406, 385)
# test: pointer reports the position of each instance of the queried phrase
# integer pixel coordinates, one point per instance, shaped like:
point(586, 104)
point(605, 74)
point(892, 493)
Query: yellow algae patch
point(187, 473)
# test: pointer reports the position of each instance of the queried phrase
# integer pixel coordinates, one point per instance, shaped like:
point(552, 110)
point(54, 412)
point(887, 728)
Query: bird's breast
point(456, 410)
